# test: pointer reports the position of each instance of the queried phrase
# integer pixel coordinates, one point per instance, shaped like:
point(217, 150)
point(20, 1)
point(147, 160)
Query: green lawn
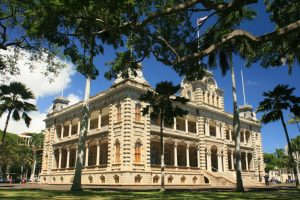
point(174, 195)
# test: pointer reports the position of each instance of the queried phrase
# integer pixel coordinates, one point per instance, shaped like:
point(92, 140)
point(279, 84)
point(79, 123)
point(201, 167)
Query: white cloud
point(37, 124)
point(36, 80)
point(41, 87)
point(73, 98)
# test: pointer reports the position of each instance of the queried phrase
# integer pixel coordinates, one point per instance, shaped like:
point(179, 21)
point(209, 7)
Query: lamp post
point(259, 178)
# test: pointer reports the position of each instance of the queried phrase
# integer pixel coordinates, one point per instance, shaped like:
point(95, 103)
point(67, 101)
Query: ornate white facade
point(122, 146)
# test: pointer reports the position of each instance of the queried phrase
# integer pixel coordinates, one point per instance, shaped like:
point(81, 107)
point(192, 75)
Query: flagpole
point(200, 21)
point(244, 95)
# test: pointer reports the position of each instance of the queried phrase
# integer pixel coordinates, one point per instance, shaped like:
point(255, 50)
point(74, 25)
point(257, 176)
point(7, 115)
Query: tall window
point(138, 112)
point(137, 154)
point(117, 152)
point(118, 113)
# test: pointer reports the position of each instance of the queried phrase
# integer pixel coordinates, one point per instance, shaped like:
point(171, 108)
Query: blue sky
point(257, 80)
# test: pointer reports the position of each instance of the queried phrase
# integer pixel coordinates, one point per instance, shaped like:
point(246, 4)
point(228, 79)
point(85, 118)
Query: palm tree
point(36, 143)
point(279, 99)
point(164, 106)
point(295, 120)
point(224, 56)
point(13, 99)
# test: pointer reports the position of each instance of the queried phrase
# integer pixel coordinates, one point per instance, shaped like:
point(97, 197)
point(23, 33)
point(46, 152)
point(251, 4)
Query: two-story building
point(122, 145)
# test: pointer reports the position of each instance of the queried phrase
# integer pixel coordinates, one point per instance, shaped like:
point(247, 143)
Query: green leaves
point(13, 98)
point(163, 103)
point(279, 99)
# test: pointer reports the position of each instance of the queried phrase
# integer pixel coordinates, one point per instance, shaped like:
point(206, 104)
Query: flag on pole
point(201, 20)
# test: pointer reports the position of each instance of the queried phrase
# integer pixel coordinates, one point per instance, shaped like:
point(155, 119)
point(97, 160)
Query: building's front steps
point(229, 178)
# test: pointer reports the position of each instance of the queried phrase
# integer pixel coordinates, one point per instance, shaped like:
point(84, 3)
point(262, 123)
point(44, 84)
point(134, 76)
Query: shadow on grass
point(150, 195)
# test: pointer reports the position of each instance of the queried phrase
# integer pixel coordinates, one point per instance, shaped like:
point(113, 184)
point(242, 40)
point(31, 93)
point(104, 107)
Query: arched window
point(117, 152)
point(138, 112)
point(137, 154)
point(118, 113)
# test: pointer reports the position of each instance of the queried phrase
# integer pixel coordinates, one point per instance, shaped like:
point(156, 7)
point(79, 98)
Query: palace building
point(122, 146)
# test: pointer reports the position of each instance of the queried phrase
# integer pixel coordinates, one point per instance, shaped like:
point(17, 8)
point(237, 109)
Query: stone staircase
point(228, 179)
point(218, 178)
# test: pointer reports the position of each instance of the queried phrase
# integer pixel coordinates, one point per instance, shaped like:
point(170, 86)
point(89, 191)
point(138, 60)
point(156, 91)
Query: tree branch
point(242, 33)
point(168, 45)
point(207, 4)
point(13, 12)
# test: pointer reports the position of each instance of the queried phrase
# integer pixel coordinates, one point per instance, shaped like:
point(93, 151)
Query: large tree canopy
point(15, 42)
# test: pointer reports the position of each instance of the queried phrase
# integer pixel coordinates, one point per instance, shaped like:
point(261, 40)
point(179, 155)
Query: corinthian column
point(187, 156)
point(68, 158)
point(175, 155)
point(86, 155)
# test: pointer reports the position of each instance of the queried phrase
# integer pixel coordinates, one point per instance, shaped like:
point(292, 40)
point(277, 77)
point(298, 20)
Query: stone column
point(244, 133)
point(218, 130)
point(174, 124)
point(98, 153)
point(78, 128)
point(232, 161)
point(99, 120)
point(68, 158)
point(197, 128)
point(62, 131)
point(207, 127)
point(222, 131)
point(246, 158)
point(208, 160)
point(187, 156)
point(198, 156)
point(70, 129)
point(59, 158)
point(55, 134)
point(89, 125)
point(53, 160)
point(216, 101)
point(219, 162)
point(175, 155)
point(86, 155)
point(252, 161)
point(186, 125)
point(230, 134)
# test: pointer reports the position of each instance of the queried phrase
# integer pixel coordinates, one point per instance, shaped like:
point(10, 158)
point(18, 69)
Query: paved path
point(140, 188)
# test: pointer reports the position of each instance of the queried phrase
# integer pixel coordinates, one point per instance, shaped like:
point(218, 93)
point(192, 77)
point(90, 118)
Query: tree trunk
point(22, 170)
point(26, 173)
point(33, 167)
point(162, 155)
point(290, 150)
point(297, 165)
point(76, 186)
point(297, 123)
point(7, 171)
point(4, 131)
point(236, 131)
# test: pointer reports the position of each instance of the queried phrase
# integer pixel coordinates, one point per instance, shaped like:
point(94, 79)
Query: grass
point(150, 195)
